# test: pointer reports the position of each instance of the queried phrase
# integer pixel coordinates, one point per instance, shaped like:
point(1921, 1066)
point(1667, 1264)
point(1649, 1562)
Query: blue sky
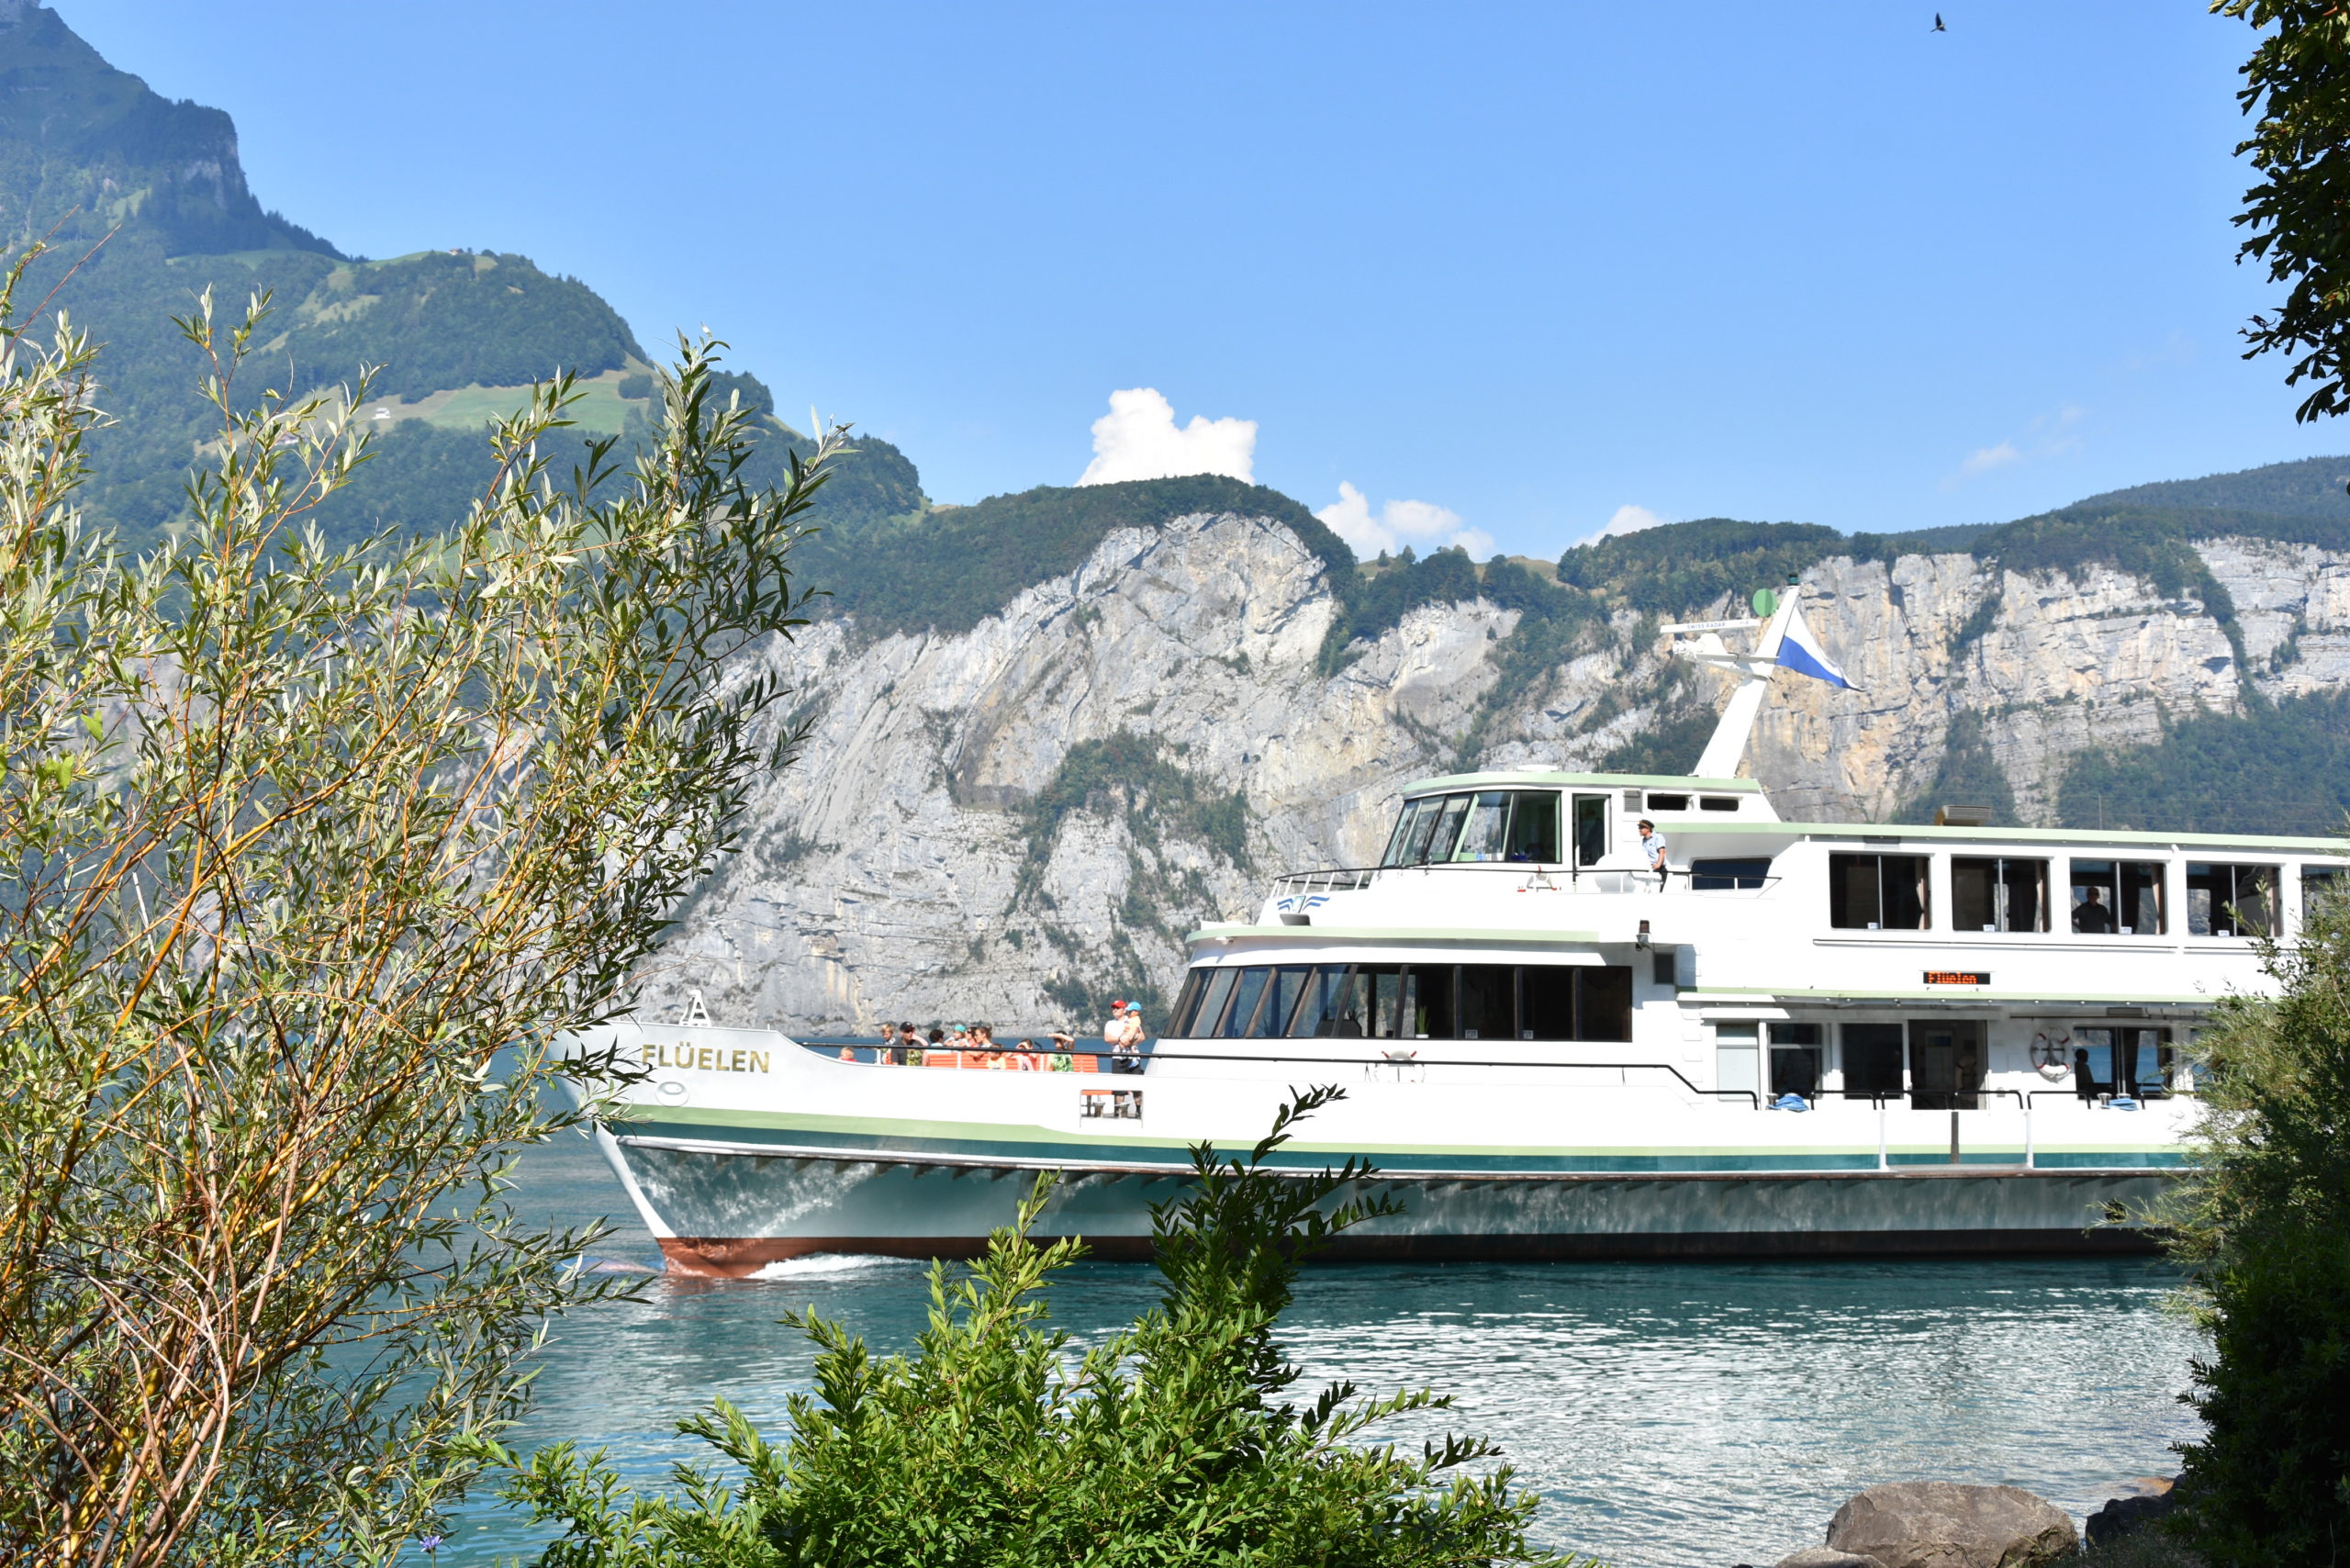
point(1527, 266)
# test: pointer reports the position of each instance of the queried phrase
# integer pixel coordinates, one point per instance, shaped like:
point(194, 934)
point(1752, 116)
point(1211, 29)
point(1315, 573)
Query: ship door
point(1946, 1064)
point(1590, 829)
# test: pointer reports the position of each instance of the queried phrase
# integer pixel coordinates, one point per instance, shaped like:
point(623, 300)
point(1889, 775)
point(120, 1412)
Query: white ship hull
point(736, 1171)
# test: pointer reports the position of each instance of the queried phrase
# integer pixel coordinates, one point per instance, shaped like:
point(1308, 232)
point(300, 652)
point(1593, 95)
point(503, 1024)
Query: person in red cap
point(1125, 1035)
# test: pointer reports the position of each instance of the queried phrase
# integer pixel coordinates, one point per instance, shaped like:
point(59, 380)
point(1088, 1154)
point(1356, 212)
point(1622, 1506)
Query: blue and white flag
point(1800, 651)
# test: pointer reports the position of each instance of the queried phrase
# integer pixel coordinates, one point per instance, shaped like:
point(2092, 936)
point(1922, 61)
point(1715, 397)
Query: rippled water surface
point(1670, 1413)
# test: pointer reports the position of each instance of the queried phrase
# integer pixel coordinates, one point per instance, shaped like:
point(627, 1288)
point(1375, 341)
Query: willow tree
point(299, 838)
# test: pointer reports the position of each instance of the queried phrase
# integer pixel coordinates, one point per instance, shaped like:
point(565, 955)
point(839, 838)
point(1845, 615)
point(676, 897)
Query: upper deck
point(1525, 858)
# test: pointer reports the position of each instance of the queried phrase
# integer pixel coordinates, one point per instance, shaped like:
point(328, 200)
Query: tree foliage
point(2298, 82)
point(951, 567)
point(999, 1443)
point(2264, 1223)
point(298, 837)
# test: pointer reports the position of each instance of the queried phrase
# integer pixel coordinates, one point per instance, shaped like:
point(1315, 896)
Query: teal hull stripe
point(1401, 1163)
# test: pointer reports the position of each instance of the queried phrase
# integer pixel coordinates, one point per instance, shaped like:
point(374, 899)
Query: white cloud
point(2056, 434)
point(1138, 439)
point(1982, 460)
point(1627, 519)
point(1398, 523)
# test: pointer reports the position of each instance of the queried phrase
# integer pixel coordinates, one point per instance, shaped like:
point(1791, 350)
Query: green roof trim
point(1729, 993)
point(2335, 846)
point(1590, 781)
point(1421, 936)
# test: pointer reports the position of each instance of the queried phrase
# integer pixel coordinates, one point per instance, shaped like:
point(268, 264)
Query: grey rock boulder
point(1828, 1557)
point(1938, 1524)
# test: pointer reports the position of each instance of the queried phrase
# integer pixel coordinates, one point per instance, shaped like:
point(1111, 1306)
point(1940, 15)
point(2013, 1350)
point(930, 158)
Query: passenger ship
point(1798, 1038)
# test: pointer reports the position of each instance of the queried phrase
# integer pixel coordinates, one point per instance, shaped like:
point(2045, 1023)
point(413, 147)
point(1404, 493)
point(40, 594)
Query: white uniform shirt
point(1652, 845)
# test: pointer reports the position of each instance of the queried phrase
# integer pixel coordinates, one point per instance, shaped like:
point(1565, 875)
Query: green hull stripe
point(857, 1134)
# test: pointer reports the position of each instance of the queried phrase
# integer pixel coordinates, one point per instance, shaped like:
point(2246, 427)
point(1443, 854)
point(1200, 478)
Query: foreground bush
point(997, 1444)
point(2265, 1228)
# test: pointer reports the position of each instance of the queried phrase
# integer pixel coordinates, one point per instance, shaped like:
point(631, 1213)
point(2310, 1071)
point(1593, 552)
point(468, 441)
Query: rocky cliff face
point(1017, 822)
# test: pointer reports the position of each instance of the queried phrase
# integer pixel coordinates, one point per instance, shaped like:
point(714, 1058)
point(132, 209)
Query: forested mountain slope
point(146, 206)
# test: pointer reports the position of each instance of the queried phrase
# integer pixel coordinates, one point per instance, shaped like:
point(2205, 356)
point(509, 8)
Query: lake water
point(1668, 1413)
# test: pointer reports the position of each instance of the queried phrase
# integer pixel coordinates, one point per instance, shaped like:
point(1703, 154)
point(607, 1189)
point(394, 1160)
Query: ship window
point(1796, 1059)
point(1375, 995)
point(2230, 900)
point(1416, 849)
point(1281, 994)
point(1590, 829)
point(1603, 1003)
point(1534, 827)
point(1187, 1002)
point(1246, 995)
point(1399, 842)
point(1427, 1002)
point(1324, 1015)
point(1877, 893)
point(1486, 828)
point(1713, 874)
point(1667, 803)
point(1546, 995)
point(2136, 1062)
point(1718, 802)
point(1488, 1002)
point(2318, 884)
point(1873, 1060)
point(1447, 829)
point(1996, 894)
point(2120, 897)
point(1212, 1000)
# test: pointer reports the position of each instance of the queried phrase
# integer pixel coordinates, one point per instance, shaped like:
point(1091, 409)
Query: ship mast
point(1701, 643)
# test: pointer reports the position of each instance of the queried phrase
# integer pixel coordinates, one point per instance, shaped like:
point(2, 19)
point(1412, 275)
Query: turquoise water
point(1670, 1413)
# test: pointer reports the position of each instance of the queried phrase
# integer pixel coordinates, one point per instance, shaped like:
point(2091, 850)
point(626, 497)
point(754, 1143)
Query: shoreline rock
point(1940, 1524)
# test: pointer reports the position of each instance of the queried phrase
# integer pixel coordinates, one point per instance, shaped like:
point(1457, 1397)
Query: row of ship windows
point(2127, 898)
point(1935, 1064)
point(1405, 1002)
point(1520, 824)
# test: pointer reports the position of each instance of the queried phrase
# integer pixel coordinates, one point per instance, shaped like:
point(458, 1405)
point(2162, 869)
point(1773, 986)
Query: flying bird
point(1938, 23)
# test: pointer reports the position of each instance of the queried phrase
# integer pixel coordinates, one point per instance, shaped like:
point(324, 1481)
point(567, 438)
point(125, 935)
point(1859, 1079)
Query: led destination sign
point(1958, 977)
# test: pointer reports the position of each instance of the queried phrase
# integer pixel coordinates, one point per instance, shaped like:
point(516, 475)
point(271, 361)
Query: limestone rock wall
point(1167, 694)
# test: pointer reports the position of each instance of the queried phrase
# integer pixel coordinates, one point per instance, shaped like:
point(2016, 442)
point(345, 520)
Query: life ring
point(2052, 1057)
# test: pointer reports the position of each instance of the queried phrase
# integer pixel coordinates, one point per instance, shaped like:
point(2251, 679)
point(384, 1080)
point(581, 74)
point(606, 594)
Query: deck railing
point(1533, 876)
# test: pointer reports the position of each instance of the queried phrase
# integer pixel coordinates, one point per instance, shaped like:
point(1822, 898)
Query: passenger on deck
point(885, 1054)
point(909, 1045)
point(1025, 1059)
point(2091, 915)
point(1061, 1060)
point(2084, 1083)
point(1653, 848)
point(1125, 1035)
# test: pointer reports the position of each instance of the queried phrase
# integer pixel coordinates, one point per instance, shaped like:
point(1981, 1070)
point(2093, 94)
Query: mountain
point(1052, 730)
point(146, 206)
point(1011, 806)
